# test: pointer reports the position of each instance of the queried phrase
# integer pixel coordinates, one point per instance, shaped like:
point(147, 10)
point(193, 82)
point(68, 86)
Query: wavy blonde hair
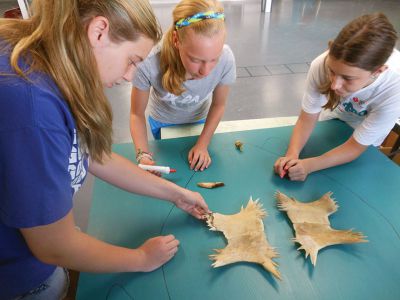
point(170, 62)
point(366, 43)
point(54, 40)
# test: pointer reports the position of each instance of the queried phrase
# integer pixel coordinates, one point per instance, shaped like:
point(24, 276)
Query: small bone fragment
point(239, 145)
point(210, 185)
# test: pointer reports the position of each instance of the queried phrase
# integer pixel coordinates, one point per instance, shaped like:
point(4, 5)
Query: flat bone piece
point(311, 224)
point(246, 238)
point(210, 185)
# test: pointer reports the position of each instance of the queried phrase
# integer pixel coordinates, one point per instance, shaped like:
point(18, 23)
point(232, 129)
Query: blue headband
point(198, 17)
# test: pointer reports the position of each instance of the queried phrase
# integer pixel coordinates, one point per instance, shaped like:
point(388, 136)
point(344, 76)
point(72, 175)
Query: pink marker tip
point(172, 170)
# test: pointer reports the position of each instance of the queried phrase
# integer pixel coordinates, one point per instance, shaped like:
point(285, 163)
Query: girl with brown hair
point(358, 81)
point(55, 126)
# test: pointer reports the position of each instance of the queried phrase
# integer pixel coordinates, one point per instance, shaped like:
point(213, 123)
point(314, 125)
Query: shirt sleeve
point(313, 100)
point(378, 123)
point(229, 72)
point(36, 184)
point(142, 78)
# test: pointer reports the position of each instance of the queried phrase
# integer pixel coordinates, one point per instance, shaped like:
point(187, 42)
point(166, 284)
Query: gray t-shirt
point(193, 104)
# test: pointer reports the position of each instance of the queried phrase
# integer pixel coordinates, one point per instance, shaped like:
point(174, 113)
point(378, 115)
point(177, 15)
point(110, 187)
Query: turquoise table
point(366, 190)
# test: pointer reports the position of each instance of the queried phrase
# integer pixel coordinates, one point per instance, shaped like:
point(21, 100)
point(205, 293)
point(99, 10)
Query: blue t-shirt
point(41, 166)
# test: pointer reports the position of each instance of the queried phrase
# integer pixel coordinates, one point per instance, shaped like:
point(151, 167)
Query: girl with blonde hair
point(185, 79)
point(55, 127)
point(358, 81)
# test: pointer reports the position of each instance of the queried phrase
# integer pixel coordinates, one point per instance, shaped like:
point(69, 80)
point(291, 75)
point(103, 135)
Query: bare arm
point(301, 133)
point(61, 244)
point(139, 100)
point(124, 174)
point(298, 169)
point(198, 156)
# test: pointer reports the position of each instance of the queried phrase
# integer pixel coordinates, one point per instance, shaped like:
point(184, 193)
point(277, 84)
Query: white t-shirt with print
point(371, 111)
point(193, 104)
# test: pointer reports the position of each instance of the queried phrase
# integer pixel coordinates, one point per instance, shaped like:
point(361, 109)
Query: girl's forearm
point(121, 172)
point(139, 132)
point(345, 153)
point(301, 133)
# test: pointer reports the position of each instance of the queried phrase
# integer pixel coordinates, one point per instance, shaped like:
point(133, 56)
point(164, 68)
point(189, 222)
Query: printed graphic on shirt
point(354, 105)
point(77, 165)
point(184, 101)
point(180, 101)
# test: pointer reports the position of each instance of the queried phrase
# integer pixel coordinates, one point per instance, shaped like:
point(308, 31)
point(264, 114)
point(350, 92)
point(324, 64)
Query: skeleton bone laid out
point(246, 238)
point(210, 185)
point(311, 224)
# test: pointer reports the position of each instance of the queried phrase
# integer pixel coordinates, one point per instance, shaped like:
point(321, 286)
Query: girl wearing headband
point(358, 81)
point(185, 79)
point(54, 119)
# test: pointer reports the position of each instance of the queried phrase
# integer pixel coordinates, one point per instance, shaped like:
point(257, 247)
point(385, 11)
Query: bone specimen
point(210, 185)
point(239, 145)
point(311, 224)
point(246, 238)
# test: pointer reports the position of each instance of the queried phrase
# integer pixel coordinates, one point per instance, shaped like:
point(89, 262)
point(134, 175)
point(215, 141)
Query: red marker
point(161, 169)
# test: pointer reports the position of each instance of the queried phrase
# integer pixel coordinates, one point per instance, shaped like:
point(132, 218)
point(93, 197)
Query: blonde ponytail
point(171, 66)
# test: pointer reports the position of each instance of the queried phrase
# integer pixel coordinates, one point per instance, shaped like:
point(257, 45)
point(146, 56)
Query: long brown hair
point(366, 43)
point(170, 63)
point(55, 41)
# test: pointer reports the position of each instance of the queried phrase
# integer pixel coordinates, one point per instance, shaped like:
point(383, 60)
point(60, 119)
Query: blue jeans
point(53, 288)
point(156, 126)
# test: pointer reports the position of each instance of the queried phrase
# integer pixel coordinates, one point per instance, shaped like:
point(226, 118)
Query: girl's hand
point(297, 169)
point(280, 165)
point(193, 203)
point(147, 161)
point(198, 158)
point(157, 251)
